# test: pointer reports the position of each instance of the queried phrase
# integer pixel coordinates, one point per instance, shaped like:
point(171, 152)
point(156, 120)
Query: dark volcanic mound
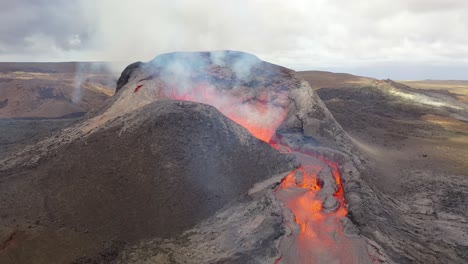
point(153, 172)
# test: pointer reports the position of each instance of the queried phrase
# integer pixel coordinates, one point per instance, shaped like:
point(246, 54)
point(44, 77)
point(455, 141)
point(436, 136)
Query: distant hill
point(460, 88)
point(324, 79)
point(56, 67)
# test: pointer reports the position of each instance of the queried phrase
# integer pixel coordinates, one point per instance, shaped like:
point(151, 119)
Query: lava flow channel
point(316, 233)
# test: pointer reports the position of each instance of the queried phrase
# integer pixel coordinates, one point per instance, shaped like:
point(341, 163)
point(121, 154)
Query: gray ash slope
point(153, 172)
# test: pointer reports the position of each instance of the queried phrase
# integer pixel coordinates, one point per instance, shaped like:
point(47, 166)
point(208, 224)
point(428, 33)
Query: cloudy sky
point(399, 39)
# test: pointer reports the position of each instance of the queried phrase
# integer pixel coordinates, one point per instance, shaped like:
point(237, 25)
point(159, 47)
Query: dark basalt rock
point(126, 74)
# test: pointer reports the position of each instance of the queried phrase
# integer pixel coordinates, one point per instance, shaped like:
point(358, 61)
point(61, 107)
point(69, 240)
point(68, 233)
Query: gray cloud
point(41, 27)
point(302, 34)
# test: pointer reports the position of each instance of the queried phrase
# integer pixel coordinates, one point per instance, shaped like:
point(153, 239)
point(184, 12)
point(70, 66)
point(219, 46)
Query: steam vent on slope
point(209, 157)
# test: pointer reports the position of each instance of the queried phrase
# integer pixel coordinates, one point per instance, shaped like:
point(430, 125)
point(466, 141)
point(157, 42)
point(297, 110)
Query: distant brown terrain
point(323, 79)
point(52, 90)
point(37, 99)
point(460, 88)
point(415, 124)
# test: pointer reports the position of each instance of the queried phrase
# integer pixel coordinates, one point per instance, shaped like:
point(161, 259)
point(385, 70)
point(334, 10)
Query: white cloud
point(302, 34)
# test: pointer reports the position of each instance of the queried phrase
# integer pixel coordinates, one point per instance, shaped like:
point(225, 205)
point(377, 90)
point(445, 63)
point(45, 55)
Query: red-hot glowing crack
point(138, 88)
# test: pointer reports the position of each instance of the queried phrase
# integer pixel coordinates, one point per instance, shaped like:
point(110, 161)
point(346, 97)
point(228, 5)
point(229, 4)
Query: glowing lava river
point(313, 193)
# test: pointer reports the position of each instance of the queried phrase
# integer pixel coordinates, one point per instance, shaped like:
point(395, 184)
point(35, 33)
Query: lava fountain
point(313, 193)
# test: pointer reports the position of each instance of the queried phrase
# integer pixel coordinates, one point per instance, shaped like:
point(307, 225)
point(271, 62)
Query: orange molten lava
point(307, 206)
point(320, 237)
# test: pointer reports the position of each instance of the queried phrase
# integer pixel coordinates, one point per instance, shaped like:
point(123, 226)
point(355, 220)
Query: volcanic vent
point(267, 99)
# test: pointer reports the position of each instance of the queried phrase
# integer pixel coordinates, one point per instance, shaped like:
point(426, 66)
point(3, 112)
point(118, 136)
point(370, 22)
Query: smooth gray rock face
point(329, 184)
point(330, 204)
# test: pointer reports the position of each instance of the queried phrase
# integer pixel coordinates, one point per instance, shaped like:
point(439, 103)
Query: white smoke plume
point(102, 74)
point(357, 36)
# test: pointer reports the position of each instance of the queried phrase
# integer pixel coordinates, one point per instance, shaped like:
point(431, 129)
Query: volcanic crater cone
point(150, 164)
